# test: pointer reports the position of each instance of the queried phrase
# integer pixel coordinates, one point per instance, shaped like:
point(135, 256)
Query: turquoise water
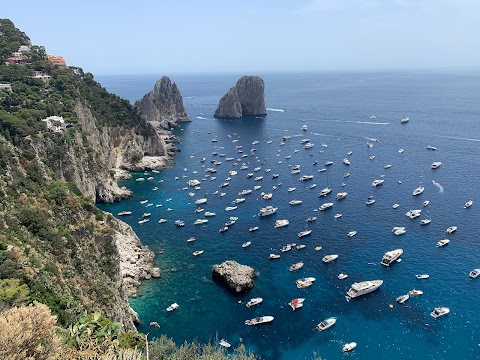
point(444, 109)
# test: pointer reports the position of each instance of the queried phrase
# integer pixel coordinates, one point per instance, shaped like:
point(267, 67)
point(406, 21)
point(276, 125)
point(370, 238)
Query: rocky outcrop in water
point(163, 107)
point(247, 98)
point(236, 276)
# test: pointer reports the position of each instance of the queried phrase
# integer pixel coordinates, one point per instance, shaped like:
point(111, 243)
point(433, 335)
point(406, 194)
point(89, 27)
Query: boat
point(146, 215)
point(274, 176)
point(405, 120)
point(329, 258)
point(325, 324)
point(418, 190)
point(325, 191)
point(352, 233)
point(430, 147)
point(268, 210)
point(286, 248)
point(230, 208)
point(311, 218)
point(400, 151)
point(439, 311)
point(304, 233)
point(318, 248)
point(370, 202)
point(422, 276)
point(308, 146)
point(305, 282)
point(254, 302)
point(372, 157)
point(436, 164)
point(425, 203)
point(200, 221)
point(395, 206)
point(328, 163)
point(468, 204)
point(296, 266)
point(200, 201)
point(255, 228)
point(376, 183)
point(273, 256)
point(224, 343)
point(342, 276)
point(401, 299)
point(173, 307)
point(246, 244)
point(199, 210)
point(249, 175)
point(474, 273)
point(391, 256)
point(451, 229)
point(325, 206)
point(191, 239)
point(207, 214)
point(193, 182)
point(295, 202)
point(123, 213)
point(259, 320)
point(300, 247)
point(346, 161)
point(161, 221)
point(341, 195)
point(198, 252)
point(179, 223)
point(306, 177)
point(415, 292)
point(267, 196)
point(337, 216)
point(442, 242)
point(291, 189)
point(363, 287)
point(223, 229)
point(258, 178)
point(143, 221)
point(387, 166)
point(296, 303)
point(412, 214)
point(400, 231)
point(349, 347)
point(239, 200)
point(304, 128)
point(281, 223)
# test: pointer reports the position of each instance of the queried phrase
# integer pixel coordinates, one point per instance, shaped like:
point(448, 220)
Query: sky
point(121, 37)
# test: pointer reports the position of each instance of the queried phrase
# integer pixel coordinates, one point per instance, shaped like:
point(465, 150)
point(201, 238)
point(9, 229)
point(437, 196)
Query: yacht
point(442, 242)
point(400, 151)
point(296, 303)
point(341, 195)
point(293, 172)
point(143, 221)
point(300, 247)
point(296, 266)
point(306, 177)
point(179, 223)
point(304, 233)
point(273, 256)
point(342, 276)
point(230, 208)
point(329, 258)
point(387, 166)
point(439, 311)
point(346, 161)
point(259, 320)
point(425, 221)
point(252, 229)
point(312, 218)
point(239, 200)
point(405, 120)
point(291, 189)
point(376, 183)
point(199, 210)
point(401, 299)
point(249, 175)
point(305, 282)
point(286, 248)
point(349, 347)
point(451, 229)
point(400, 230)
point(161, 221)
point(474, 273)
point(223, 229)
point(191, 239)
point(418, 190)
point(468, 204)
point(430, 147)
point(123, 213)
point(274, 176)
point(281, 223)
point(415, 292)
point(350, 153)
point(200, 201)
point(312, 186)
point(172, 307)
point(318, 248)
point(412, 214)
point(198, 252)
point(325, 206)
point(325, 324)
point(256, 187)
point(325, 191)
point(363, 287)
point(258, 178)
point(224, 343)
point(372, 157)
point(143, 202)
point(352, 233)
point(245, 192)
point(328, 163)
point(295, 202)
point(436, 164)
point(422, 276)
point(208, 213)
point(193, 182)
point(246, 244)
point(391, 256)
point(370, 202)
point(269, 210)
point(254, 302)
point(308, 146)
point(303, 141)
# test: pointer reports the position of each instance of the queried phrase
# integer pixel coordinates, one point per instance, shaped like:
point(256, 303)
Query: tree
point(12, 293)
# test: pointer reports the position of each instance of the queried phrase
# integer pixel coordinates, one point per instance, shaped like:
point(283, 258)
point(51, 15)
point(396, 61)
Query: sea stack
point(237, 277)
point(247, 98)
point(163, 107)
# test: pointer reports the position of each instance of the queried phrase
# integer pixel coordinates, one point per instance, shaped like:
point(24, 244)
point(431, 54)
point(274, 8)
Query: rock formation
point(247, 98)
point(163, 107)
point(237, 277)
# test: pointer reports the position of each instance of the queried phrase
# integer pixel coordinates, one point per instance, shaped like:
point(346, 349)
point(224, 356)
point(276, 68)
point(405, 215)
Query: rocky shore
point(236, 276)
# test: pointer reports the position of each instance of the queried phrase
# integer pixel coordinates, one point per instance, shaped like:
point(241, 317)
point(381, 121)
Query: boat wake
point(458, 138)
point(202, 118)
point(277, 110)
point(438, 185)
point(358, 122)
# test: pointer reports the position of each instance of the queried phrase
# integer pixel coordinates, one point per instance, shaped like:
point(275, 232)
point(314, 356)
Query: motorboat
point(363, 287)
point(325, 192)
point(198, 252)
point(146, 215)
point(193, 182)
point(306, 177)
point(304, 233)
point(329, 258)
point(295, 202)
point(387, 166)
point(230, 208)
point(191, 239)
point(451, 229)
point(431, 147)
point(322, 170)
point(325, 324)
point(258, 178)
point(415, 292)
point(346, 161)
point(395, 206)
point(318, 248)
point(254, 302)
point(200, 201)
point(400, 151)
point(370, 202)
point(412, 214)
point(342, 276)
point(439, 311)
point(338, 216)
point(200, 221)
point(305, 282)
point(281, 223)
point(286, 248)
point(401, 299)
point(179, 223)
point(224, 343)
point(442, 242)
point(418, 190)
point(255, 228)
point(208, 214)
point(341, 195)
point(400, 230)
point(123, 213)
point(249, 175)
point(172, 307)
point(246, 244)
point(296, 266)
point(422, 276)
point(223, 229)
point(425, 203)
point(328, 163)
point(352, 233)
point(308, 145)
point(303, 141)
point(268, 210)
point(312, 218)
point(325, 206)
point(143, 221)
point(372, 157)
point(405, 120)
point(350, 153)
point(300, 247)
point(274, 176)
point(436, 164)
point(161, 221)
point(291, 189)
point(294, 172)
point(245, 192)
point(468, 204)
point(199, 210)
point(304, 128)
point(267, 196)
point(474, 273)
point(259, 320)
point(349, 347)
point(376, 183)
point(273, 256)
point(239, 200)
point(296, 303)
point(390, 256)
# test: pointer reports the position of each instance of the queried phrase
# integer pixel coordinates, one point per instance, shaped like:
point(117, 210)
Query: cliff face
point(163, 107)
point(247, 98)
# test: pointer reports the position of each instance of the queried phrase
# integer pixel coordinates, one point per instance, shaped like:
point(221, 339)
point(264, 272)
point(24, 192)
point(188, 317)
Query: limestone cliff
point(163, 107)
point(247, 98)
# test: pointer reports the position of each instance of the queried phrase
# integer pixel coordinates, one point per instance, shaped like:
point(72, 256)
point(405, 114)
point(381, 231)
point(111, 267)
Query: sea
point(343, 112)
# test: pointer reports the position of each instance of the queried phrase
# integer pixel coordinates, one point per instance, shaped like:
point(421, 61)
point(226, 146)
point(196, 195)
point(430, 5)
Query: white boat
point(296, 303)
point(436, 164)
point(146, 215)
point(199, 210)
point(161, 221)
point(246, 244)
point(325, 206)
point(254, 302)
point(338, 216)
point(143, 221)
point(363, 287)
point(400, 151)
point(258, 178)
point(474, 273)
point(312, 186)
point(179, 223)
point(468, 204)
point(239, 200)
point(341, 195)
point(342, 276)
point(451, 229)
point(425, 203)
point(412, 214)
point(200, 201)
point(294, 172)
point(405, 120)
point(387, 166)
point(306, 177)
point(401, 299)
point(349, 347)
point(198, 252)
point(442, 242)
point(274, 256)
point(308, 146)
point(325, 191)
point(370, 202)
point(422, 276)
point(305, 282)
point(304, 233)
point(208, 214)
point(415, 292)
point(352, 233)
point(267, 196)
point(400, 231)
point(200, 221)
point(291, 189)
point(249, 175)
point(376, 183)
point(173, 307)
point(391, 256)
point(325, 324)
point(191, 239)
point(372, 157)
point(346, 161)
point(193, 182)
point(245, 192)
point(259, 320)
point(439, 311)
point(255, 228)
point(328, 163)
point(329, 258)
point(230, 208)
point(296, 266)
point(224, 343)
point(295, 202)
point(312, 218)
point(318, 248)
point(304, 128)
point(418, 190)
point(300, 247)
point(395, 206)
point(281, 223)
point(123, 213)
point(268, 210)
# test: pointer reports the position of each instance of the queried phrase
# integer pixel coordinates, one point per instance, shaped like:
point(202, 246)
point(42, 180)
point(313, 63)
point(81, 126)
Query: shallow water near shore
point(444, 111)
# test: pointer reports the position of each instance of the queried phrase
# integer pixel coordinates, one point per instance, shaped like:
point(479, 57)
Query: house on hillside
point(55, 124)
point(57, 60)
point(6, 87)
point(42, 76)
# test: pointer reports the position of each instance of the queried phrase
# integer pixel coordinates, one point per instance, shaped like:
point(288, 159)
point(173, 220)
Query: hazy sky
point(175, 36)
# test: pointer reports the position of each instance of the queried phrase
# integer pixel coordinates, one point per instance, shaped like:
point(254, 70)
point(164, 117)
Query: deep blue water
point(444, 110)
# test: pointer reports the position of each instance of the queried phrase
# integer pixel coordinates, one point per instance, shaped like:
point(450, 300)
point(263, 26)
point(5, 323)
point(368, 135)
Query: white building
point(6, 87)
point(54, 123)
